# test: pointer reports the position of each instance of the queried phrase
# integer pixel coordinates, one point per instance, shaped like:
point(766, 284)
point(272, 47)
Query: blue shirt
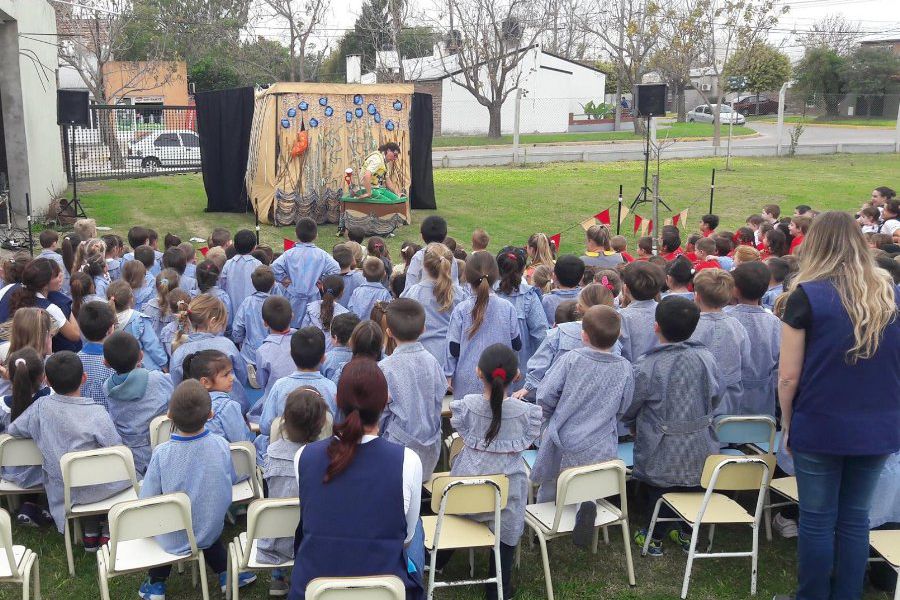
point(235, 277)
point(249, 330)
point(365, 296)
point(208, 341)
point(227, 420)
point(91, 356)
point(304, 265)
point(273, 361)
point(555, 298)
point(334, 361)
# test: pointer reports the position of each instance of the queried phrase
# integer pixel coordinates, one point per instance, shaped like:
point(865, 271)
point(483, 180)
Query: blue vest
point(63, 302)
point(844, 409)
point(354, 525)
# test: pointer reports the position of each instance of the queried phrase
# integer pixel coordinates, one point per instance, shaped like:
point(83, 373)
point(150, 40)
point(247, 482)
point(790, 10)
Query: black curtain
point(421, 129)
point(224, 118)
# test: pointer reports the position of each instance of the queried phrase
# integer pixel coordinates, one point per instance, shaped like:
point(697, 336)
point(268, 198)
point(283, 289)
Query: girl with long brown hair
point(322, 312)
point(540, 253)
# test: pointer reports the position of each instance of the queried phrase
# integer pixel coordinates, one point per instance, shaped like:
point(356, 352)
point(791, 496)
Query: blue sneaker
point(678, 536)
point(244, 579)
point(654, 549)
point(152, 591)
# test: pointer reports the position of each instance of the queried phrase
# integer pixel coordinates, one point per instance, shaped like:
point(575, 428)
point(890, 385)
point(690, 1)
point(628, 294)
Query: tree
point(301, 17)
point(609, 69)
point(820, 74)
point(681, 45)
point(872, 71)
point(565, 36)
point(765, 67)
point(834, 32)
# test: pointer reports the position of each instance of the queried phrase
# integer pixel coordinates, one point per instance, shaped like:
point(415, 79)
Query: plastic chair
point(720, 473)
point(276, 430)
point(18, 564)
point(132, 547)
point(94, 467)
point(266, 518)
point(453, 445)
point(786, 487)
point(161, 429)
point(243, 458)
point(887, 544)
point(592, 483)
point(378, 587)
point(451, 529)
point(745, 430)
point(18, 452)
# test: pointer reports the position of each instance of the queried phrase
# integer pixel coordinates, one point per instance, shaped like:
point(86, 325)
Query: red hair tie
point(499, 372)
point(511, 256)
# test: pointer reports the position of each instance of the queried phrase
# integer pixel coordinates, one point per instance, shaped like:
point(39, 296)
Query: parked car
point(172, 148)
point(706, 113)
point(756, 105)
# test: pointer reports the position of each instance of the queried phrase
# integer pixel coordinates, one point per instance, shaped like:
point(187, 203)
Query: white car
point(706, 113)
point(172, 148)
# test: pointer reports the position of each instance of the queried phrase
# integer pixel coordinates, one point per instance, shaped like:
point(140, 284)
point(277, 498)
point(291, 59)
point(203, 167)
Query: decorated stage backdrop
point(344, 123)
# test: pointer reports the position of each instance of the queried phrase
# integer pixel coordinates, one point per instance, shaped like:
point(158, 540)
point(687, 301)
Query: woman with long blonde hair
point(839, 391)
point(540, 253)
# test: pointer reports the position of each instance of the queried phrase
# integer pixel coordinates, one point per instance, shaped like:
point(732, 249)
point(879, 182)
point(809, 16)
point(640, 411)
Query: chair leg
point(652, 526)
point(235, 576)
point(36, 578)
point(595, 543)
point(629, 563)
point(754, 559)
point(897, 587)
point(712, 534)
point(605, 535)
point(690, 560)
point(498, 568)
point(429, 593)
point(229, 571)
point(767, 515)
point(201, 567)
point(545, 559)
point(67, 535)
point(471, 562)
point(518, 556)
point(103, 576)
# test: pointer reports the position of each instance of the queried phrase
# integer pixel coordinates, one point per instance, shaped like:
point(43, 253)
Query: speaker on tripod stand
point(71, 112)
point(650, 102)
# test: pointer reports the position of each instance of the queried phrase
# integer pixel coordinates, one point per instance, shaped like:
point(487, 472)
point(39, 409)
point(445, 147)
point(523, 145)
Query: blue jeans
point(833, 544)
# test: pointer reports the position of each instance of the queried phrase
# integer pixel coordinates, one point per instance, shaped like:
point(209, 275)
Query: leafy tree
point(872, 71)
point(765, 67)
point(820, 74)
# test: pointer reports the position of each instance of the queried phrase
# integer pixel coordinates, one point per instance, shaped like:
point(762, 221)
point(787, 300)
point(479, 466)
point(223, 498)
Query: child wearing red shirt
point(798, 227)
point(706, 255)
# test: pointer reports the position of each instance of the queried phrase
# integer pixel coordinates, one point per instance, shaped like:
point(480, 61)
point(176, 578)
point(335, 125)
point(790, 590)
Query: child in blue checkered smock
point(96, 321)
point(642, 282)
point(238, 270)
point(157, 308)
point(214, 371)
point(207, 280)
point(567, 274)
point(273, 357)
point(340, 354)
point(371, 292)
point(137, 324)
point(321, 312)
point(476, 323)
point(249, 328)
point(135, 395)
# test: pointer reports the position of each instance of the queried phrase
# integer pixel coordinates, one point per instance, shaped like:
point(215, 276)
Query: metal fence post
point(518, 113)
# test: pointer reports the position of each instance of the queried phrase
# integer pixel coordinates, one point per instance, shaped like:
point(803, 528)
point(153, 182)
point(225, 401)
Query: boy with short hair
point(644, 248)
point(249, 328)
point(416, 386)
point(353, 277)
point(643, 281)
point(705, 250)
point(238, 271)
point(153, 242)
point(724, 248)
point(302, 267)
point(770, 213)
point(220, 237)
point(567, 274)
point(759, 373)
point(480, 240)
point(620, 245)
point(372, 291)
point(174, 259)
point(725, 337)
point(66, 421)
point(798, 228)
point(691, 245)
point(146, 256)
point(135, 395)
point(676, 390)
point(754, 222)
point(778, 270)
point(433, 229)
point(708, 224)
point(190, 258)
point(356, 234)
point(96, 321)
point(198, 464)
point(49, 240)
point(342, 327)
point(273, 357)
point(137, 236)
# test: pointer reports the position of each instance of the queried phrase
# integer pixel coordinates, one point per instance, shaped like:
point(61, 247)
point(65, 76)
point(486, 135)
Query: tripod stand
point(644, 194)
point(72, 208)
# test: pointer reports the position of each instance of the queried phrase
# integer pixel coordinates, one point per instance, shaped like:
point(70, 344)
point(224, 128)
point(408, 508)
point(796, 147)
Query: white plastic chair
point(886, 543)
point(592, 483)
point(18, 452)
point(267, 518)
point(94, 467)
point(161, 429)
point(243, 458)
point(277, 429)
point(453, 445)
point(379, 587)
point(132, 547)
point(18, 564)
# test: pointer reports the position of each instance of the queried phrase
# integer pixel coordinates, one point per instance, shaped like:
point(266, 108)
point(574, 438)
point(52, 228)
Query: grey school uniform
point(135, 398)
point(60, 424)
point(208, 341)
point(676, 390)
point(771, 295)
point(334, 362)
point(281, 480)
point(352, 280)
point(235, 277)
point(365, 296)
point(416, 273)
point(759, 374)
point(520, 426)
point(273, 361)
point(227, 420)
point(532, 324)
point(500, 326)
point(416, 389)
point(638, 334)
point(304, 266)
point(582, 397)
point(555, 298)
point(727, 339)
point(313, 318)
point(434, 338)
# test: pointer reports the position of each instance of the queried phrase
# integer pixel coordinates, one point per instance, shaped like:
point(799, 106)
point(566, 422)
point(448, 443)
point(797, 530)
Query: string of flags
point(642, 225)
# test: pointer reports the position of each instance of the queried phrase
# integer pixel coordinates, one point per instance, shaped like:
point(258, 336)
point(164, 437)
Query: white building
point(30, 145)
point(552, 88)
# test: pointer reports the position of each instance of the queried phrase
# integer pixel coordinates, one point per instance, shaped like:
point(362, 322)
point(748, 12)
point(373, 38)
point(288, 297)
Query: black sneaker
point(583, 533)
point(29, 515)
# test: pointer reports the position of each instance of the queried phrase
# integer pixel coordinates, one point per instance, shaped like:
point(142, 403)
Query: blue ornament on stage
point(357, 99)
point(377, 117)
point(398, 105)
point(285, 123)
point(313, 122)
point(349, 116)
point(303, 105)
point(389, 125)
point(323, 101)
point(292, 112)
point(358, 112)
point(371, 109)
point(329, 111)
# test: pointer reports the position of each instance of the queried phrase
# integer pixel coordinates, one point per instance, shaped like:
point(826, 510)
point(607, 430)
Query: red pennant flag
point(556, 240)
point(288, 244)
point(603, 217)
point(637, 223)
point(204, 250)
point(650, 227)
point(675, 219)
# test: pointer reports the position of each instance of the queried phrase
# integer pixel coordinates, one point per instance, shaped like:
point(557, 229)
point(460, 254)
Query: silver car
point(706, 113)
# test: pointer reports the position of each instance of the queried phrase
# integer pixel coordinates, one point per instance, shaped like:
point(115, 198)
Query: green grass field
point(829, 120)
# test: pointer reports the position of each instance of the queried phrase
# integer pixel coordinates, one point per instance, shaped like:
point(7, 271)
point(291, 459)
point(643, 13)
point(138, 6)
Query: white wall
point(28, 95)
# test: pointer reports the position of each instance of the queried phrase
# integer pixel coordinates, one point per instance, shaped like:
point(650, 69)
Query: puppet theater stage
point(343, 124)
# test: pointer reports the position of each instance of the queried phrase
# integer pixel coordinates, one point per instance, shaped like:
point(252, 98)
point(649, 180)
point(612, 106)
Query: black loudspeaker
point(72, 108)
point(651, 99)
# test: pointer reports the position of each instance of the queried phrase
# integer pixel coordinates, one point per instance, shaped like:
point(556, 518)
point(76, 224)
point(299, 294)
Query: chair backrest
point(736, 473)
point(94, 467)
point(454, 447)
point(276, 431)
point(6, 543)
point(19, 452)
point(469, 495)
point(243, 458)
point(589, 483)
point(746, 429)
point(271, 518)
point(161, 428)
point(379, 587)
point(148, 517)
point(327, 428)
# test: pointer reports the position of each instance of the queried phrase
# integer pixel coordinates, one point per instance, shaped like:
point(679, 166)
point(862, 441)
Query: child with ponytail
point(121, 299)
point(208, 283)
point(214, 371)
point(479, 321)
point(82, 291)
point(439, 294)
point(321, 312)
point(134, 273)
point(95, 267)
point(157, 308)
point(178, 301)
point(376, 247)
point(496, 429)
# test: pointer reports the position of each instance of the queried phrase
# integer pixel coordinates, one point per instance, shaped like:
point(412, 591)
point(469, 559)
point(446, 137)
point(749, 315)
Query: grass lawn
point(673, 130)
point(828, 120)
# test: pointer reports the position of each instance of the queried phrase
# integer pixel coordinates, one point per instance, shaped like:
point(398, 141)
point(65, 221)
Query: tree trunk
point(680, 103)
point(494, 120)
point(107, 119)
point(292, 57)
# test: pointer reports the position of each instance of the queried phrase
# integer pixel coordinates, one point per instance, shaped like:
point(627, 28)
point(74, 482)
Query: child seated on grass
point(198, 464)
point(96, 321)
point(138, 325)
point(340, 354)
point(249, 328)
point(174, 259)
point(321, 313)
point(273, 356)
point(567, 274)
point(778, 270)
point(157, 308)
point(147, 289)
point(366, 295)
point(178, 300)
point(214, 371)
point(236, 278)
point(582, 398)
point(351, 276)
point(135, 394)
point(677, 387)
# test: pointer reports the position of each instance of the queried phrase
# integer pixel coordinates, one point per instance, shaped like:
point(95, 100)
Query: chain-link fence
point(874, 109)
point(133, 141)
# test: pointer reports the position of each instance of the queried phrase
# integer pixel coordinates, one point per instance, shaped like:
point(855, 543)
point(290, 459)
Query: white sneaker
point(786, 528)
